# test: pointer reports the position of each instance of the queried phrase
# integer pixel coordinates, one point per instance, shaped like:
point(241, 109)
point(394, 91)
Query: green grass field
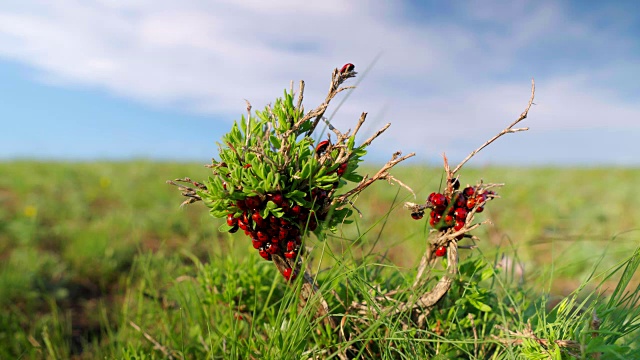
point(98, 261)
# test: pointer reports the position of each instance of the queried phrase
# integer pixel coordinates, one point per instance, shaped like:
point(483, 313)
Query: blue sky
point(116, 79)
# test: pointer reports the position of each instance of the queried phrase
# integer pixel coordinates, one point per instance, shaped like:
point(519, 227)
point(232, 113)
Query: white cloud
point(442, 83)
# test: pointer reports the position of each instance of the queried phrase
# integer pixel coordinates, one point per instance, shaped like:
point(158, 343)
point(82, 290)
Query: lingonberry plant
point(276, 184)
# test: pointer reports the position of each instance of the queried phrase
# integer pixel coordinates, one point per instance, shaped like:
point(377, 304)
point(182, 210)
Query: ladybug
point(346, 68)
point(322, 147)
point(417, 215)
point(441, 251)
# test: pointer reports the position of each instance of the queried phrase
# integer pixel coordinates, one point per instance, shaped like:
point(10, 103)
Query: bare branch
point(382, 174)
point(363, 116)
point(508, 130)
point(300, 95)
point(374, 136)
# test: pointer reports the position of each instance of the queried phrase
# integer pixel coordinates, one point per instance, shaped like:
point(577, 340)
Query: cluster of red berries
point(451, 211)
point(272, 235)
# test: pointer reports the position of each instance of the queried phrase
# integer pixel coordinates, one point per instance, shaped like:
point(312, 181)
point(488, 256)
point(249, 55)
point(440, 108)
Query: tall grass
point(97, 261)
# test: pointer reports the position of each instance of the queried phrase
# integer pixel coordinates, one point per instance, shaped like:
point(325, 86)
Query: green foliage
point(272, 152)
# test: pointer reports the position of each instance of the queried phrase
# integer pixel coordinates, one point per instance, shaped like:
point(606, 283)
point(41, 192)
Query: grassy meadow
point(97, 260)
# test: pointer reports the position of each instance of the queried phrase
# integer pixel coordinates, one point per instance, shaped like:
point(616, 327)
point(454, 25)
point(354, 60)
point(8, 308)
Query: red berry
point(278, 199)
point(285, 205)
point(342, 169)
point(295, 210)
point(348, 67)
point(449, 220)
point(253, 202)
point(274, 222)
point(231, 220)
point(241, 204)
point(441, 251)
point(417, 215)
point(257, 218)
point(285, 223)
point(439, 200)
point(262, 236)
point(265, 255)
point(291, 245)
point(469, 191)
point(246, 219)
point(322, 147)
point(271, 248)
point(471, 202)
point(460, 213)
point(243, 225)
point(287, 273)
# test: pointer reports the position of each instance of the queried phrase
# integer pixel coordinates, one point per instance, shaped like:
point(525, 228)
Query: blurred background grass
point(70, 232)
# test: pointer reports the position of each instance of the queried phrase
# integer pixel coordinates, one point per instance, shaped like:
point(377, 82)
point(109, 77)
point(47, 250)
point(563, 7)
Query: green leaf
point(353, 177)
point(269, 181)
point(224, 228)
point(360, 152)
point(276, 180)
point(479, 305)
point(351, 142)
point(261, 171)
point(306, 171)
point(486, 274)
point(271, 205)
point(275, 142)
point(243, 124)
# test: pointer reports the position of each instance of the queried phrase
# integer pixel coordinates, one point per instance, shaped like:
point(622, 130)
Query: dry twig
point(507, 130)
